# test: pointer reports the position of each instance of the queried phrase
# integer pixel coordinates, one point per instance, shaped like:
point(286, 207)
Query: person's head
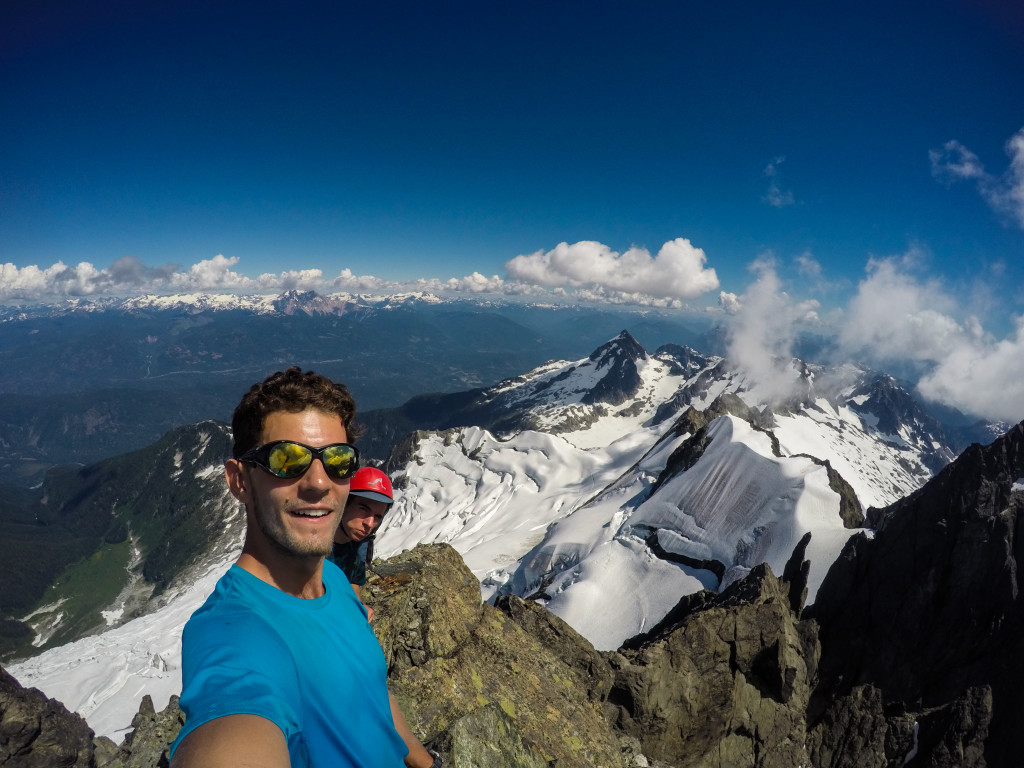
point(369, 498)
point(292, 464)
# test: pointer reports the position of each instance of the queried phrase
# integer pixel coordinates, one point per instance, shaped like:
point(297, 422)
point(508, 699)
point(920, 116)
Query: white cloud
point(212, 275)
point(586, 271)
point(1005, 193)
point(729, 302)
point(601, 295)
point(895, 317)
point(982, 378)
point(32, 283)
point(762, 328)
point(352, 283)
point(476, 283)
point(955, 161)
point(808, 266)
point(677, 272)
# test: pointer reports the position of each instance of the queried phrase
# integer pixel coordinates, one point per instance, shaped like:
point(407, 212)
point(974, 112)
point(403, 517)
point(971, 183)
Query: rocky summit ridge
point(910, 656)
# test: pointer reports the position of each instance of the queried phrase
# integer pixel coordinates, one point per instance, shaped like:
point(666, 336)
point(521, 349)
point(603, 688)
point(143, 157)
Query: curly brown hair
point(291, 391)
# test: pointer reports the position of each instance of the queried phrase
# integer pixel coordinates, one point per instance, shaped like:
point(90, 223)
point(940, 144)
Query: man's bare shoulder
point(233, 741)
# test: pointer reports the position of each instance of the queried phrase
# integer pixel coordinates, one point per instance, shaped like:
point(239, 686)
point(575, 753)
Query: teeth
point(312, 513)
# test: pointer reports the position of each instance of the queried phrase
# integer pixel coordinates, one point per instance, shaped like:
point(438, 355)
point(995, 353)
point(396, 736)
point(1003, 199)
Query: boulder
point(725, 684)
point(476, 690)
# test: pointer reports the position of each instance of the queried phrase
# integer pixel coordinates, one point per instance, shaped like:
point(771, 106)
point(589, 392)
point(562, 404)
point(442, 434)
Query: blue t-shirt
point(313, 667)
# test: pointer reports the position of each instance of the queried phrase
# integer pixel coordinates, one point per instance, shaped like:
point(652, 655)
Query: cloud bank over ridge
point(584, 271)
point(893, 315)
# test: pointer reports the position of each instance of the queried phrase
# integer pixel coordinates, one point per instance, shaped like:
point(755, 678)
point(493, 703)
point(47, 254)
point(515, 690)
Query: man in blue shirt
point(280, 667)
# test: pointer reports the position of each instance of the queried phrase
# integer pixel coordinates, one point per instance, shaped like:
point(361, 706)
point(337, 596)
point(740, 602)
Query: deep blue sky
point(433, 140)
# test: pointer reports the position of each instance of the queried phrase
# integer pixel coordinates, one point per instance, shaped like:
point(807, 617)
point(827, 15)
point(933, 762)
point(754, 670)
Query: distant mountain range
point(84, 380)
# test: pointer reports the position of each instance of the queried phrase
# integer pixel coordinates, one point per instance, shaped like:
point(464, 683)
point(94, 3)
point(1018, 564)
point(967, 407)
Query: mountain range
point(603, 487)
point(606, 487)
point(88, 379)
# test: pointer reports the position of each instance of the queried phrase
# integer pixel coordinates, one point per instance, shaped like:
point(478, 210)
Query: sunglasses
point(289, 460)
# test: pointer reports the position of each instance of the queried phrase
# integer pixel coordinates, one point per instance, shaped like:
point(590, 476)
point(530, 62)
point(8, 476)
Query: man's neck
point(294, 575)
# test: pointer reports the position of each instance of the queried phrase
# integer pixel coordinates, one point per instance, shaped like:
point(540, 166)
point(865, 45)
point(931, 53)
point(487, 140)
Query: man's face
point(297, 516)
point(360, 519)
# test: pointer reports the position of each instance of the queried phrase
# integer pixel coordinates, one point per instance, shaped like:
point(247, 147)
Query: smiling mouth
point(311, 513)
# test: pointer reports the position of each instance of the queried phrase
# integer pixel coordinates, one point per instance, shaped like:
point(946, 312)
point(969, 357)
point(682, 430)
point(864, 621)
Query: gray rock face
point(726, 685)
point(473, 682)
point(147, 744)
point(37, 732)
point(930, 614)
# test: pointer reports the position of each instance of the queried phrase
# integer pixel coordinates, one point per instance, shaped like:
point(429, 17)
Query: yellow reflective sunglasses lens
point(289, 459)
point(339, 460)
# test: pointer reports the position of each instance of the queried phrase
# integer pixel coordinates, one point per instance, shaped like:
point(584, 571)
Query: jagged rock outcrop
point(621, 380)
point(147, 744)
point(37, 732)
point(893, 406)
point(930, 614)
point(724, 683)
point(471, 680)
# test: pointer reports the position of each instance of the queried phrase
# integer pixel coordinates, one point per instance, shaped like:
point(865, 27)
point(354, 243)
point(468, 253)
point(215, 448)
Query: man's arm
point(233, 741)
point(418, 756)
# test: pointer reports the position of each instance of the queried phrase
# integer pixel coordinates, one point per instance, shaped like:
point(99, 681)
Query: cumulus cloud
point(586, 271)
point(762, 328)
point(777, 197)
point(896, 316)
point(1004, 193)
point(349, 282)
point(212, 275)
point(476, 283)
point(986, 378)
point(729, 302)
point(677, 272)
point(126, 275)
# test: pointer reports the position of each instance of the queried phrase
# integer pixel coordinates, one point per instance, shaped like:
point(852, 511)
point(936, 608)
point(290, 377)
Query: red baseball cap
point(371, 483)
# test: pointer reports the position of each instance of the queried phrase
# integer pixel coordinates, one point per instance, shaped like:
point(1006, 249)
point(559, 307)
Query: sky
point(842, 166)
